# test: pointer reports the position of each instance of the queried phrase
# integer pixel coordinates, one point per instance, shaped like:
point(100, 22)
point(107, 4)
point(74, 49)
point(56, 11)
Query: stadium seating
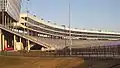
point(76, 43)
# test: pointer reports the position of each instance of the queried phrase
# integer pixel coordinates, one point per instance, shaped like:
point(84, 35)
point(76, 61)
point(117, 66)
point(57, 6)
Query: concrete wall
point(12, 7)
point(19, 46)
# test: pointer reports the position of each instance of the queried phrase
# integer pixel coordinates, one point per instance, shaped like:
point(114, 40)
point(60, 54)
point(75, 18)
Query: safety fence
point(98, 52)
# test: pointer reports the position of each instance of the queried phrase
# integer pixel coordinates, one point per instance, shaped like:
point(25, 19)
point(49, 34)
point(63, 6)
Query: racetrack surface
point(41, 62)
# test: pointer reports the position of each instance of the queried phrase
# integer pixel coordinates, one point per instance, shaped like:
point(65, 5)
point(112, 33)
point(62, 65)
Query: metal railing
point(87, 53)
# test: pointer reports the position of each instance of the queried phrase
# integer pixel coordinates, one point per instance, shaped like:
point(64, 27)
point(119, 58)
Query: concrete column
point(31, 33)
point(0, 40)
point(3, 42)
point(8, 22)
point(3, 16)
point(28, 43)
point(28, 32)
point(21, 44)
point(20, 39)
point(15, 42)
point(5, 21)
point(35, 34)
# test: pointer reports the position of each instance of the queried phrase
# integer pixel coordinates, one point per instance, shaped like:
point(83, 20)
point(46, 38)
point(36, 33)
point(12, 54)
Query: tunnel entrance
point(36, 47)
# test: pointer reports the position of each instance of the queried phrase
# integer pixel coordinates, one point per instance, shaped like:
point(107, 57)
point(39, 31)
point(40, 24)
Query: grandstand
point(57, 37)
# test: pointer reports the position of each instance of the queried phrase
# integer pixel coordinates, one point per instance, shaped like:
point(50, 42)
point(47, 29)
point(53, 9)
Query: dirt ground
point(41, 62)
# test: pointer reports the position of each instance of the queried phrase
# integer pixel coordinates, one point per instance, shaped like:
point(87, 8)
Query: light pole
point(70, 39)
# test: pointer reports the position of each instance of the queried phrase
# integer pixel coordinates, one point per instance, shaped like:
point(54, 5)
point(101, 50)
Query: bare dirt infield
point(41, 62)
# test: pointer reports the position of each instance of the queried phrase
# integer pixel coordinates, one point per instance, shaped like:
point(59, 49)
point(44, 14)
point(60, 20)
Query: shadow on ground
point(102, 63)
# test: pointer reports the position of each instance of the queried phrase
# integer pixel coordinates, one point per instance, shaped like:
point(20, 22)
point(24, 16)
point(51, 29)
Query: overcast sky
point(99, 14)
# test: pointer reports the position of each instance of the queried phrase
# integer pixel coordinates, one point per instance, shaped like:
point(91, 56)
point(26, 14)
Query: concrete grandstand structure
point(57, 37)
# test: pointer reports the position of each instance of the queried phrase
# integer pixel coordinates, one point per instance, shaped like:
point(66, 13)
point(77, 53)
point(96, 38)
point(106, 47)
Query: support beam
point(32, 33)
point(3, 16)
point(21, 44)
point(5, 20)
point(10, 26)
point(20, 39)
point(3, 42)
point(8, 22)
point(14, 42)
point(28, 43)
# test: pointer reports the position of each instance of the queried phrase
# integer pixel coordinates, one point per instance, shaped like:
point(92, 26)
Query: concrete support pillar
point(11, 27)
point(20, 39)
point(15, 42)
point(28, 32)
point(0, 40)
point(21, 44)
point(3, 42)
point(3, 16)
point(36, 34)
point(5, 21)
point(8, 22)
point(28, 43)
point(31, 33)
